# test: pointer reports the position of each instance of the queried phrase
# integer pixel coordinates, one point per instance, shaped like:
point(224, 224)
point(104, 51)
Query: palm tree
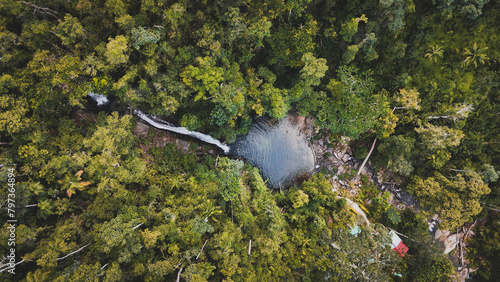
point(38, 275)
point(434, 52)
point(475, 55)
point(71, 183)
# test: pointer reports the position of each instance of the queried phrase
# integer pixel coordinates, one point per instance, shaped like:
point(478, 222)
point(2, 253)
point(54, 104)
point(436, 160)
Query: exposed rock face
point(141, 129)
point(346, 158)
point(450, 243)
point(438, 234)
point(162, 138)
point(81, 117)
point(336, 158)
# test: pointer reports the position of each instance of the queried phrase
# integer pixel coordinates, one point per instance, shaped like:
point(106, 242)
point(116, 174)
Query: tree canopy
point(94, 201)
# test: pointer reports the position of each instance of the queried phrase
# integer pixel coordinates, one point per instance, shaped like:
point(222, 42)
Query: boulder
point(437, 234)
point(141, 129)
point(336, 156)
point(182, 145)
point(340, 170)
point(450, 243)
point(346, 158)
point(330, 159)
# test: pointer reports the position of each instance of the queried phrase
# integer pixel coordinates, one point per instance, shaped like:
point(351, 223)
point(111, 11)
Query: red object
point(397, 244)
point(401, 249)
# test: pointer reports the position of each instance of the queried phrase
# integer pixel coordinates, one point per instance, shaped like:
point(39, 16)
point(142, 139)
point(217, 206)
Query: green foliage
point(190, 121)
point(475, 55)
point(438, 137)
point(423, 80)
point(349, 55)
point(299, 199)
point(363, 257)
point(409, 98)
point(230, 183)
point(489, 174)
point(118, 236)
point(289, 43)
point(392, 216)
point(13, 117)
point(434, 53)
point(395, 12)
point(313, 70)
point(116, 50)
point(398, 152)
point(350, 28)
point(424, 260)
point(204, 79)
point(69, 30)
point(142, 36)
point(471, 9)
point(353, 109)
point(485, 248)
point(201, 226)
point(455, 201)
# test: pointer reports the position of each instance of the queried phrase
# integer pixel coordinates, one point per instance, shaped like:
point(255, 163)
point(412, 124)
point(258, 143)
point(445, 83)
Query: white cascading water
point(101, 100)
point(160, 124)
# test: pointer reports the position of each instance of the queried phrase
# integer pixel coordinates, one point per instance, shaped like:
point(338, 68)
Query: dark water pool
point(278, 149)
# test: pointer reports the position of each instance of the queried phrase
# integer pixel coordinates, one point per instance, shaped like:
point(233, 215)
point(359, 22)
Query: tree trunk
point(436, 117)
point(201, 250)
point(74, 252)
point(179, 275)
point(367, 156)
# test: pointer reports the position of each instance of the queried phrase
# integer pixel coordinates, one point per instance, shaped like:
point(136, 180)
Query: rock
point(82, 116)
point(346, 158)
point(364, 171)
point(161, 141)
point(182, 145)
point(335, 187)
point(335, 154)
point(330, 159)
point(141, 129)
point(380, 177)
point(450, 243)
point(445, 233)
point(437, 234)
point(355, 182)
point(345, 140)
point(300, 120)
point(340, 170)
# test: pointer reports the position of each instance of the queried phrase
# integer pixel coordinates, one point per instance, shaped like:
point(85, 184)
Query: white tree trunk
point(367, 156)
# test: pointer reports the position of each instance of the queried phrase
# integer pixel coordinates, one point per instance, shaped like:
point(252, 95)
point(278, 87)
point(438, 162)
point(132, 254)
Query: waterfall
point(101, 100)
point(160, 124)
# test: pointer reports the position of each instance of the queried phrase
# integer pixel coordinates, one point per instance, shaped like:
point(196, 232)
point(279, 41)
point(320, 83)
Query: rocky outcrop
point(450, 243)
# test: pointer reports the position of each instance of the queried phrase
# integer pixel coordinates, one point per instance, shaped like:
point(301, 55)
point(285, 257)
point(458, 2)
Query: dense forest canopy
point(93, 201)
